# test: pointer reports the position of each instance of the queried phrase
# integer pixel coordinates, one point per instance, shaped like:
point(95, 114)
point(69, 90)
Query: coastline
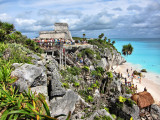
point(148, 80)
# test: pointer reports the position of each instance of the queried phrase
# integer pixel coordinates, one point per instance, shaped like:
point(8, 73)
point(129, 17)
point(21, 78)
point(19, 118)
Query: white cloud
point(5, 17)
point(24, 22)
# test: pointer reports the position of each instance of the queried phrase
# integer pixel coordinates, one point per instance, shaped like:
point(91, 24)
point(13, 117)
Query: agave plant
point(25, 105)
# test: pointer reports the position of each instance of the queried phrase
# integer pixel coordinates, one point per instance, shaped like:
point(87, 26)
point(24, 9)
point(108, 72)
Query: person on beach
point(125, 81)
point(132, 79)
point(139, 78)
point(127, 70)
point(135, 89)
point(145, 89)
point(128, 75)
point(131, 68)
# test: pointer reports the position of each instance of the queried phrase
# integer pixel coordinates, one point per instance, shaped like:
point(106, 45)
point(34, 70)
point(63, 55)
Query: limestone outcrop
point(62, 105)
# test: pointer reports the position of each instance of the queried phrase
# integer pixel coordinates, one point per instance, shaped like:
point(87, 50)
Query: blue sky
point(114, 18)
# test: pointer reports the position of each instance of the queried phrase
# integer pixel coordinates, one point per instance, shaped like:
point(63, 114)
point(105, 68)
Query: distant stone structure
point(61, 31)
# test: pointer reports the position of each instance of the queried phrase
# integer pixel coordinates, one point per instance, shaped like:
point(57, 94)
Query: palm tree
point(113, 42)
point(101, 36)
point(84, 36)
point(127, 49)
point(105, 38)
point(109, 40)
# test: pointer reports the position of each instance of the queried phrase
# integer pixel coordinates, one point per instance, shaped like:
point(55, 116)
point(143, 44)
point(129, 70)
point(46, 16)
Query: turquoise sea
point(146, 52)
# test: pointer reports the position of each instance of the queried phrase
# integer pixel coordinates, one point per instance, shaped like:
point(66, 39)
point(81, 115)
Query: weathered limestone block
point(28, 76)
point(56, 85)
point(103, 63)
point(62, 105)
point(155, 111)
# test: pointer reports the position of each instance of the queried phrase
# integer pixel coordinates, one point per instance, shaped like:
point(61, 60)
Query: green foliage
point(23, 106)
point(130, 102)
point(114, 116)
point(100, 70)
point(9, 34)
point(88, 52)
point(85, 68)
point(89, 89)
point(110, 75)
point(79, 55)
point(76, 84)
point(127, 49)
point(96, 74)
point(5, 71)
point(83, 93)
point(107, 109)
point(101, 36)
point(129, 91)
point(66, 85)
point(94, 86)
point(98, 57)
point(113, 42)
point(74, 70)
point(122, 99)
point(119, 118)
point(90, 98)
point(143, 70)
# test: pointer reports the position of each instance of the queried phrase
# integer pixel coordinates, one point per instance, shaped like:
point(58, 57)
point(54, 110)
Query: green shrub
point(89, 89)
point(143, 70)
point(107, 109)
point(76, 84)
point(130, 102)
point(100, 70)
point(83, 93)
point(74, 70)
point(114, 116)
point(129, 91)
point(122, 99)
point(23, 106)
point(85, 68)
point(98, 57)
point(106, 118)
point(88, 52)
point(94, 86)
point(119, 118)
point(110, 75)
point(66, 85)
point(90, 98)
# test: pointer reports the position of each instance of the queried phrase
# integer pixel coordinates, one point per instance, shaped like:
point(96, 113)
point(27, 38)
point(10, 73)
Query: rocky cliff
point(90, 91)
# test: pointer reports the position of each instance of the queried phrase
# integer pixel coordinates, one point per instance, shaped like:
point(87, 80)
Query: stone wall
point(52, 34)
point(61, 27)
point(61, 31)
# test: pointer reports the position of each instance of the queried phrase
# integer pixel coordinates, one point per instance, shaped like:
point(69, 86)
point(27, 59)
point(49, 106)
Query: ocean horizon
point(146, 52)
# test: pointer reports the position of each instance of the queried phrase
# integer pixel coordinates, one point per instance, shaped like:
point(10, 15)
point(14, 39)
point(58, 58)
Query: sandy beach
point(149, 80)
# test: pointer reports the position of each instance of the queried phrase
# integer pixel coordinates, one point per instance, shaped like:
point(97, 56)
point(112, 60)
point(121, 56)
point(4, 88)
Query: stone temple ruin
point(61, 31)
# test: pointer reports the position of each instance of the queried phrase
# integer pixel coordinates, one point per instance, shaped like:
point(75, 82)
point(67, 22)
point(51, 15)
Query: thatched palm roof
point(143, 99)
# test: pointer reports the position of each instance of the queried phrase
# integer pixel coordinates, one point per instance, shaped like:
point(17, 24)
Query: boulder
point(56, 85)
point(28, 76)
point(132, 111)
point(116, 84)
point(155, 111)
point(62, 105)
point(103, 63)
